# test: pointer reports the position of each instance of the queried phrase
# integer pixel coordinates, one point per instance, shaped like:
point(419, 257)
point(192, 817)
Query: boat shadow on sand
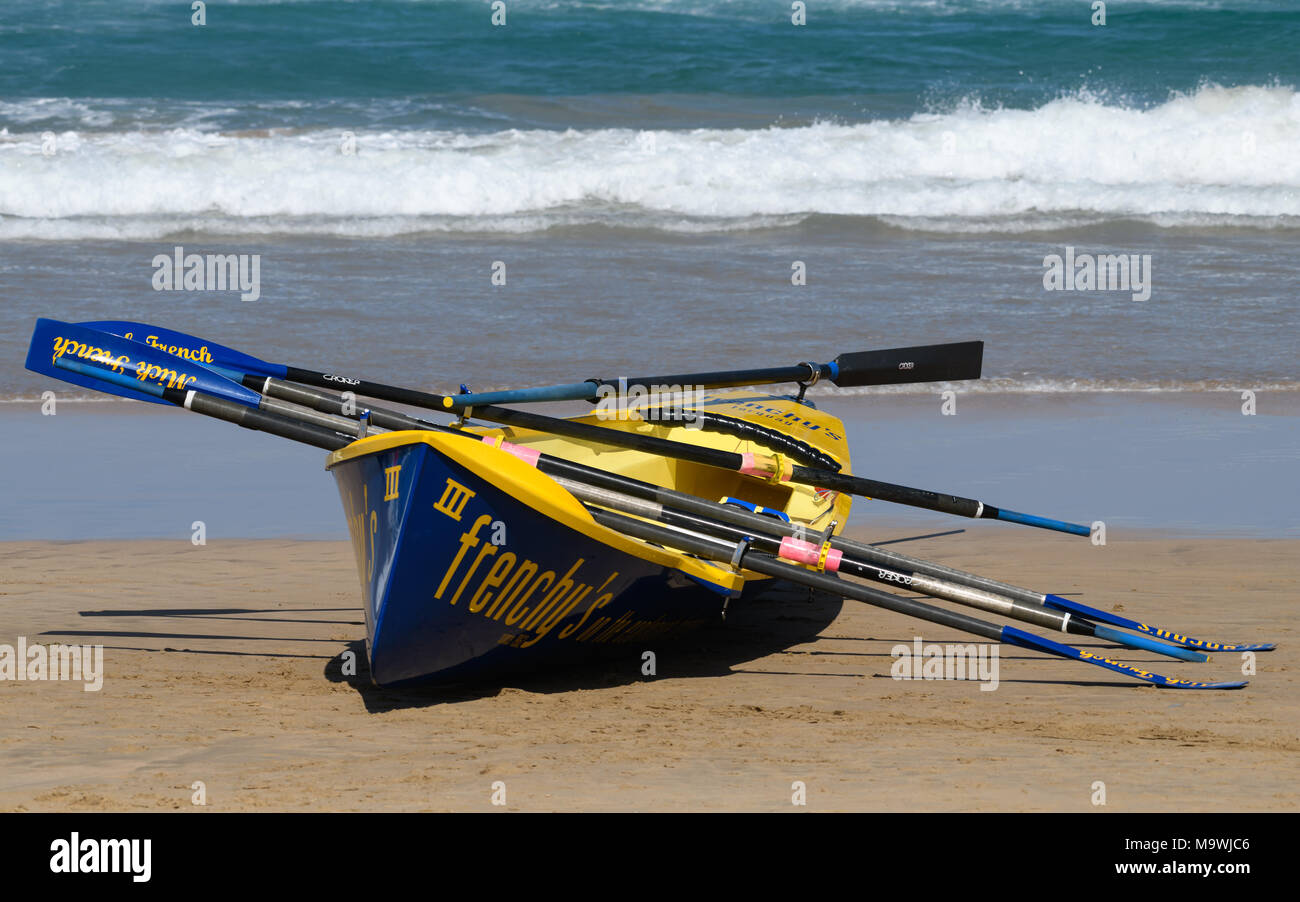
point(772, 621)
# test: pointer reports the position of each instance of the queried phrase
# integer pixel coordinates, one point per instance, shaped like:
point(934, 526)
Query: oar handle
point(1001, 513)
point(573, 391)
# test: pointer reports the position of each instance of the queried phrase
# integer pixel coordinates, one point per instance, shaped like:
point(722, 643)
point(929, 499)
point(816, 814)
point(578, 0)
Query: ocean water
point(649, 175)
point(121, 120)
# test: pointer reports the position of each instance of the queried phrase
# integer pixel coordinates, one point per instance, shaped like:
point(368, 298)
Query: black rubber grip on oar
point(800, 452)
point(887, 491)
point(923, 363)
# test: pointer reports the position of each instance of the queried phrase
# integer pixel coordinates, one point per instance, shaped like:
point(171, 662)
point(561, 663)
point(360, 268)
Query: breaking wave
point(1218, 156)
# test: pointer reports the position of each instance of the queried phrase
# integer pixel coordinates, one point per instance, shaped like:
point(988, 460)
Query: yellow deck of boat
point(801, 503)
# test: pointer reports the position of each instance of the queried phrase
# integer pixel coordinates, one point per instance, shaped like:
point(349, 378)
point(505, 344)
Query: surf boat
point(524, 539)
point(473, 561)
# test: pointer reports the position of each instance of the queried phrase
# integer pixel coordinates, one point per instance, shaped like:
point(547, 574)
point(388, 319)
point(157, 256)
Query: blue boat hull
point(480, 566)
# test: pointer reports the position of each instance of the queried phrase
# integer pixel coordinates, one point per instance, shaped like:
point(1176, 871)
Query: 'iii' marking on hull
point(454, 498)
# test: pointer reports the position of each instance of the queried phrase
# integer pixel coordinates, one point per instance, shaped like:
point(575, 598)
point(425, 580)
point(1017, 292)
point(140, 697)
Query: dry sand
point(222, 666)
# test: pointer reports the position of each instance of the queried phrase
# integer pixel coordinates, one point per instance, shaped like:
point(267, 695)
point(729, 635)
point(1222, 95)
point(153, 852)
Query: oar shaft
point(218, 408)
point(721, 550)
point(725, 460)
point(317, 418)
point(891, 366)
point(264, 421)
point(937, 588)
point(935, 501)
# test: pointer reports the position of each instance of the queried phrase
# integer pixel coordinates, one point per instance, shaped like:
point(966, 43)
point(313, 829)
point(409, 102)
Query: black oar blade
point(924, 363)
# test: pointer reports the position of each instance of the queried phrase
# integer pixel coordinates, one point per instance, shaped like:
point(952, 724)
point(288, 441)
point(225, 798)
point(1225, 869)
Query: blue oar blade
point(139, 371)
point(1147, 644)
point(190, 347)
point(1074, 607)
point(45, 351)
point(1028, 640)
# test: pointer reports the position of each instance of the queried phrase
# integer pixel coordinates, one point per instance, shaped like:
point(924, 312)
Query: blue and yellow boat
point(488, 550)
point(473, 563)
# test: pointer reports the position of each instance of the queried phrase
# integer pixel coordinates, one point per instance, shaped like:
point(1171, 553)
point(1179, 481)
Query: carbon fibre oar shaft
point(974, 598)
point(892, 559)
point(742, 557)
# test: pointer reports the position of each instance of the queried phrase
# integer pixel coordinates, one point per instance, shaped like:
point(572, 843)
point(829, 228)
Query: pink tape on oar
point(750, 468)
point(527, 455)
point(802, 552)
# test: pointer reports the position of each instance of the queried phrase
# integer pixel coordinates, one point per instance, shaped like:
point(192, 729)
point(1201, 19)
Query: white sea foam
point(1220, 156)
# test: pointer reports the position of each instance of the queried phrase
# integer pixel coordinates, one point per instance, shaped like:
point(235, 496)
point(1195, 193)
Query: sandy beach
point(223, 664)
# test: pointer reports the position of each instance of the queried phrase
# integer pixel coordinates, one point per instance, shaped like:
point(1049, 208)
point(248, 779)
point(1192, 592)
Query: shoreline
point(1187, 466)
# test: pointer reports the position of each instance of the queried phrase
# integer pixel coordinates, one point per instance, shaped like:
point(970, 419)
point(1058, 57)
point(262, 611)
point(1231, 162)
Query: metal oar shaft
point(868, 367)
point(289, 427)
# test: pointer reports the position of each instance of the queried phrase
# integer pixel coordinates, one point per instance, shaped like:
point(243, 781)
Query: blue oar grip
point(1143, 642)
point(573, 391)
point(1076, 529)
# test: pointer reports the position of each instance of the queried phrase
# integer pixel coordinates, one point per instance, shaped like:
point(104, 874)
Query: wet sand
point(222, 665)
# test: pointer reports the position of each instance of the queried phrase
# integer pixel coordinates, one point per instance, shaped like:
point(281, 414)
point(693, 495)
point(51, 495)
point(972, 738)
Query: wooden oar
point(893, 366)
point(742, 556)
point(772, 467)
